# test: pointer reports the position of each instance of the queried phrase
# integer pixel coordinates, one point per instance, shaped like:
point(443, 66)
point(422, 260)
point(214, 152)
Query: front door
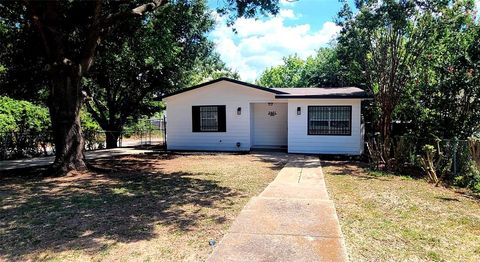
point(269, 125)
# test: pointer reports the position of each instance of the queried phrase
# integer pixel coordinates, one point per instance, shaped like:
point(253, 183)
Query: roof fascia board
point(225, 79)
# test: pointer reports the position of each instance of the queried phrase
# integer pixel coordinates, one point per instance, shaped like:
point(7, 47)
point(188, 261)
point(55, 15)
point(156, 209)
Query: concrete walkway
point(45, 161)
point(293, 219)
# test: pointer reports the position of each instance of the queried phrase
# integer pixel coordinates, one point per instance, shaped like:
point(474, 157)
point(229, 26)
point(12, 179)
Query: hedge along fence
point(14, 145)
point(450, 161)
point(17, 145)
point(24, 128)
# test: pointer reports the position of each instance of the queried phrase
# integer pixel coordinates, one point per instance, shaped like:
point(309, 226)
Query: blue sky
point(300, 28)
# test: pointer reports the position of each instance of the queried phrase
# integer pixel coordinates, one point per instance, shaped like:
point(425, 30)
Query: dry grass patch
point(393, 218)
point(135, 208)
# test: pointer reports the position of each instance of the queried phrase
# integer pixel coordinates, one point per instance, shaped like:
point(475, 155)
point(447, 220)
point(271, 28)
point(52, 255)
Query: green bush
point(469, 177)
point(92, 132)
point(22, 116)
point(24, 128)
point(453, 161)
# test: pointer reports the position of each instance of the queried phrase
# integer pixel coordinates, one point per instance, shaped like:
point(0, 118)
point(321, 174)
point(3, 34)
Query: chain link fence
point(456, 161)
point(17, 145)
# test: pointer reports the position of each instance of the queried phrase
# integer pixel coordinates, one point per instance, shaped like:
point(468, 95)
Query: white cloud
point(260, 44)
point(287, 13)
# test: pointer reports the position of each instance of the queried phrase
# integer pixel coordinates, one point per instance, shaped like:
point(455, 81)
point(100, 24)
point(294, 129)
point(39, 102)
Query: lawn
point(162, 208)
point(395, 218)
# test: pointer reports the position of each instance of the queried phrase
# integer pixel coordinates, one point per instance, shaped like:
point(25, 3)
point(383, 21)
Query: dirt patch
point(148, 207)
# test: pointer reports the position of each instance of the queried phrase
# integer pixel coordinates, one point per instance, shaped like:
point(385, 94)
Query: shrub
point(427, 163)
point(450, 161)
point(94, 138)
point(24, 128)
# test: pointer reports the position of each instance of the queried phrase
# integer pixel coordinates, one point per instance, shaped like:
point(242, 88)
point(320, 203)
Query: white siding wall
point(300, 142)
point(179, 121)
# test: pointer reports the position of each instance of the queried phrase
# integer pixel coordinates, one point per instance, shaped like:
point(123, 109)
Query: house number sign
point(272, 113)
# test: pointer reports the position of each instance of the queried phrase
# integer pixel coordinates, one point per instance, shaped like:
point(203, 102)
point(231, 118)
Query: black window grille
point(208, 118)
point(330, 120)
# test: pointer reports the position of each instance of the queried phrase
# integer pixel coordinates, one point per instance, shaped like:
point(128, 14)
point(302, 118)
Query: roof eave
point(225, 79)
point(363, 97)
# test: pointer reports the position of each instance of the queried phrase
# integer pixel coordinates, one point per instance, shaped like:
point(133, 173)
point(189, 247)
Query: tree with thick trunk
point(70, 33)
point(64, 105)
point(66, 72)
point(382, 43)
point(122, 87)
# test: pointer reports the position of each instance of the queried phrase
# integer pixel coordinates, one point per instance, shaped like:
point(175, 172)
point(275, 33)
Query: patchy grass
point(393, 218)
point(162, 208)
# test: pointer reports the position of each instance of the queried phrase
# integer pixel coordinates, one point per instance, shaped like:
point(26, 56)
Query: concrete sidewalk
point(45, 161)
point(293, 219)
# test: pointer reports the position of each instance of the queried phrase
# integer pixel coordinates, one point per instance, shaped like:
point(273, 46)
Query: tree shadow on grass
point(277, 160)
point(352, 168)
point(121, 201)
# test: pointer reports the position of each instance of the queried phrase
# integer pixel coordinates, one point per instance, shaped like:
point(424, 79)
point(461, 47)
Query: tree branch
point(40, 27)
point(99, 114)
point(100, 26)
point(93, 39)
point(137, 11)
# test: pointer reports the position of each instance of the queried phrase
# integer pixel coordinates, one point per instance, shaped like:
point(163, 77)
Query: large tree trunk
point(386, 128)
point(65, 104)
point(49, 17)
point(112, 139)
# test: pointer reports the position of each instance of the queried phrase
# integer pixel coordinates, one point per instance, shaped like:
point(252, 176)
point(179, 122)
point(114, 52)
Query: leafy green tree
point(382, 44)
point(444, 96)
point(132, 69)
point(70, 32)
point(212, 67)
point(290, 74)
point(325, 70)
point(322, 70)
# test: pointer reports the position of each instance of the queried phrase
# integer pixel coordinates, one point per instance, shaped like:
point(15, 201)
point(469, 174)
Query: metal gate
point(152, 133)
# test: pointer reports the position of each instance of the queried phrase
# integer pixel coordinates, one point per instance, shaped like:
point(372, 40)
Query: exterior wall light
point(239, 111)
point(299, 111)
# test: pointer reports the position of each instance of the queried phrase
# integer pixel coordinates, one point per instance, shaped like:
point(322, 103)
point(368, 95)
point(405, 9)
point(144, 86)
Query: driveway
point(45, 161)
point(293, 219)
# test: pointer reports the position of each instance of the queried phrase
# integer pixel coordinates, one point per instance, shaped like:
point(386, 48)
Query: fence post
point(120, 138)
point(455, 146)
point(164, 132)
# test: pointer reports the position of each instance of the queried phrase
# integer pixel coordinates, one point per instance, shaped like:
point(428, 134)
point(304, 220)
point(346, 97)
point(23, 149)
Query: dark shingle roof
point(297, 92)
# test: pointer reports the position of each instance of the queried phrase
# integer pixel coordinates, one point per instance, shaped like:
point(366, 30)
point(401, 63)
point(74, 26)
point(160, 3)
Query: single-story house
point(230, 115)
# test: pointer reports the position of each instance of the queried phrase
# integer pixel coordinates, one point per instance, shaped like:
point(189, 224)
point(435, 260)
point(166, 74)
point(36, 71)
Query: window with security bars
point(208, 118)
point(330, 120)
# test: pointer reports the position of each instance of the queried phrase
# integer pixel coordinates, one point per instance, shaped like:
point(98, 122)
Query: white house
point(230, 115)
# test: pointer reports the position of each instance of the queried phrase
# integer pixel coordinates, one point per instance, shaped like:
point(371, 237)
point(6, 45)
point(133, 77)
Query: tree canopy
point(57, 42)
point(444, 94)
point(133, 69)
point(321, 70)
point(387, 44)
